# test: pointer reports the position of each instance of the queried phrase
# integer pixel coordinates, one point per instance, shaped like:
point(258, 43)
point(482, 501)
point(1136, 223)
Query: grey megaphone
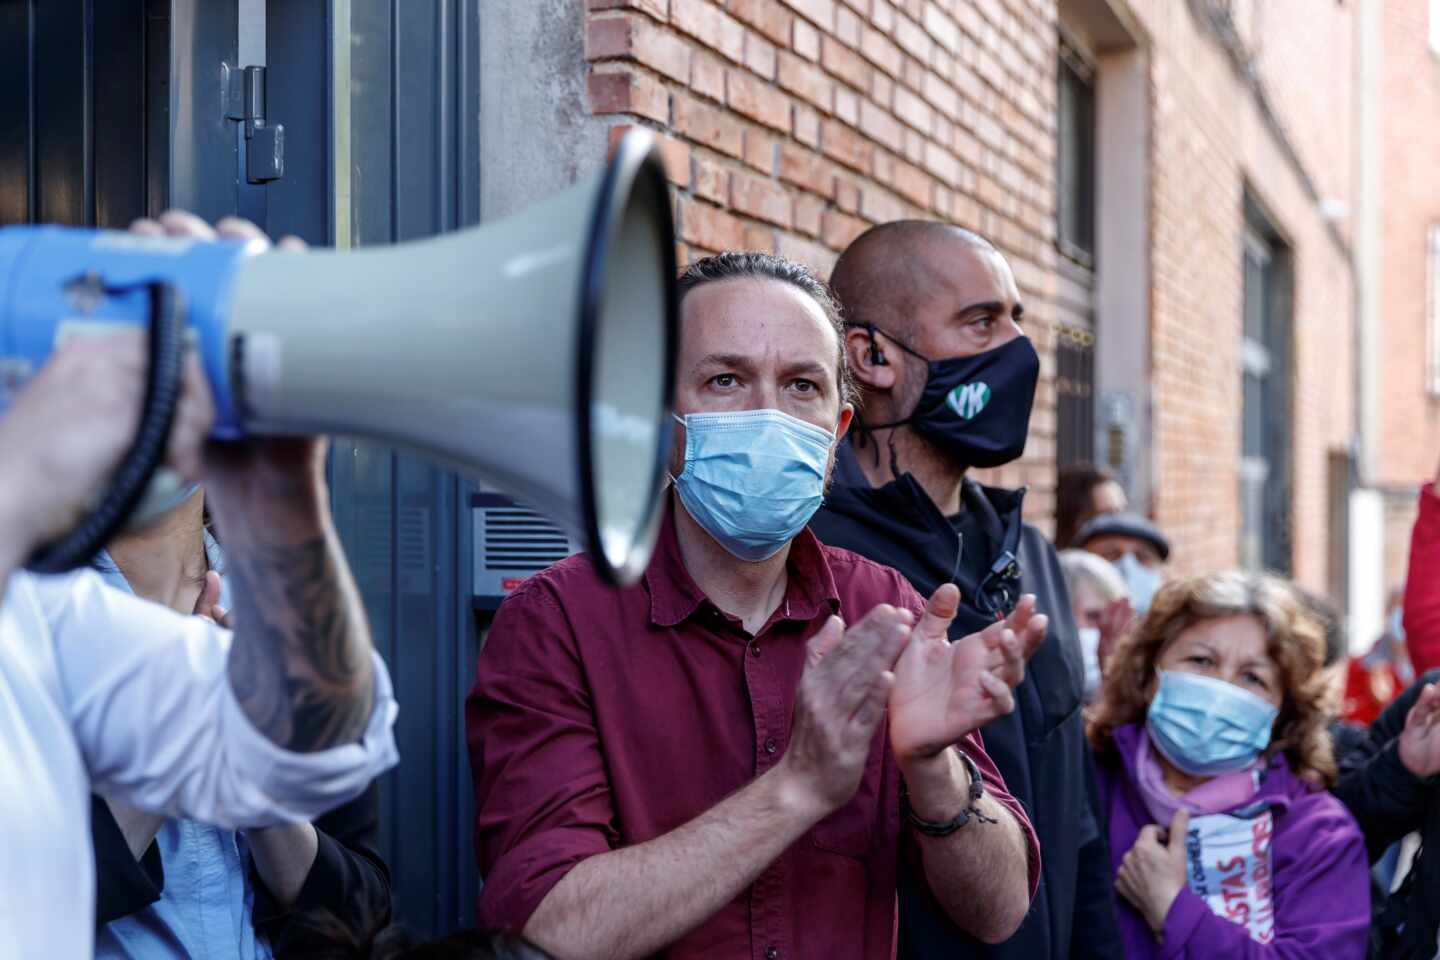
point(536, 353)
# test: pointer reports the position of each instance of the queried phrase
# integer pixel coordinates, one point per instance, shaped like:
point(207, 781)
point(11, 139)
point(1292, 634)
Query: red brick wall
point(792, 125)
point(1210, 143)
point(1408, 444)
point(796, 124)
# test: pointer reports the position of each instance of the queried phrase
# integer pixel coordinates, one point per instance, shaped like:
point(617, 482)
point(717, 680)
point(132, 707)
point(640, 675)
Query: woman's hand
point(1420, 740)
point(1153, 873)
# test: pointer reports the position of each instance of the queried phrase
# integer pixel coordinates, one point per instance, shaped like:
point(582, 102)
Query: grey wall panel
point(414, 172)
point(298, 75)
point(16, 19)
point(204, 145)
point(119, 115)
point(62, 103)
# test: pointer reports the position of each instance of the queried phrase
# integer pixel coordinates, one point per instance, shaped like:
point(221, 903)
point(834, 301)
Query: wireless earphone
point(877, 356)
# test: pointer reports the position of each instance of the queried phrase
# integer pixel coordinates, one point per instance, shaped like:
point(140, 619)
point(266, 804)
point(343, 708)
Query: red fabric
point(1369, 690)
point(603, 718)
point(1422, 586)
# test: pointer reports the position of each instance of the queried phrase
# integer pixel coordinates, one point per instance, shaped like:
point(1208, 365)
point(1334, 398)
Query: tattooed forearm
point(300, 664)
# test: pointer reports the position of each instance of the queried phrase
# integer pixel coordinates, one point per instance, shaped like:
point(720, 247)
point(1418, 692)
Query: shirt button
point(771, 953)
point(754, 649)
point(770, 747)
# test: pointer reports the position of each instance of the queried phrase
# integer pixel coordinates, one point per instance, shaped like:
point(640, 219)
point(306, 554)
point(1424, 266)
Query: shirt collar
point(675, 596)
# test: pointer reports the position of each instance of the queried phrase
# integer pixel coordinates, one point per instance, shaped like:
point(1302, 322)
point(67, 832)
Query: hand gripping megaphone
point(536, 353)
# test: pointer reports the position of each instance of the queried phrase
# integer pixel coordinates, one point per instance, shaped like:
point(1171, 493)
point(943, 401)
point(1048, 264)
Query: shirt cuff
point(276, 785)
point(1185, 915)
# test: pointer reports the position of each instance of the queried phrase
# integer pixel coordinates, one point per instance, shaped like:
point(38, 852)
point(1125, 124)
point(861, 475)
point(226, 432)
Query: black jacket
point(1388, 802)
point(348, 879)
point(1040, 748)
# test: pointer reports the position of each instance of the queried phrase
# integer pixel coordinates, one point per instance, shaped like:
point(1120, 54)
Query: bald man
point(947, 375)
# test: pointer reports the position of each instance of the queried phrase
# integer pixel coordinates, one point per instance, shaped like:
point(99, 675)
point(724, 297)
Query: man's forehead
point(755, 318)
point(966, 270)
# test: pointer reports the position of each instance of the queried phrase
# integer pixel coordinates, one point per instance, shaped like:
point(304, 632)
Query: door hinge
point(245, 104)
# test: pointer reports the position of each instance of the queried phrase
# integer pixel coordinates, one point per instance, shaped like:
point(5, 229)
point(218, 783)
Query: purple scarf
point(1216, 795)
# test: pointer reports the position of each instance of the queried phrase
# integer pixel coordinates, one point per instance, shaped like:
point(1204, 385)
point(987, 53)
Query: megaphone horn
point(536, 353)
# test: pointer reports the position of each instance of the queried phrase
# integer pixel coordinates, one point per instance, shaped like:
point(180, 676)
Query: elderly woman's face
point(1230, 649)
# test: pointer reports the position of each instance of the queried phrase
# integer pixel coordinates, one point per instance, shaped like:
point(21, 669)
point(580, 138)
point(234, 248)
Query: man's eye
point(723, 380)
point(805, 386)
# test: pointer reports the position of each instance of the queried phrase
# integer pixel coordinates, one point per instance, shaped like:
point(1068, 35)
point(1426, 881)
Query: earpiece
point(877, 356)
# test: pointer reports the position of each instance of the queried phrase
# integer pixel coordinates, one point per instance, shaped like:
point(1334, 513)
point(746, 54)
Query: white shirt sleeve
point(148, 697)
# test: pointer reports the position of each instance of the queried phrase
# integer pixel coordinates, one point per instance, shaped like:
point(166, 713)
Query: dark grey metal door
point(115, 109)
point(383, 146)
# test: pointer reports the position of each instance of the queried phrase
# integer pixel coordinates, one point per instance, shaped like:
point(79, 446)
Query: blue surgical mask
point(1141, 580)
point(753, 478)
point(1206, 726)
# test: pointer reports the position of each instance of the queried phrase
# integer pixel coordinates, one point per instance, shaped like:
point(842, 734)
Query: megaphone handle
point(162, 394)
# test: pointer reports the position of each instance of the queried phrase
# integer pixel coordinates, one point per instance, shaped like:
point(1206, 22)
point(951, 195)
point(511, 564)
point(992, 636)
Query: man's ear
point(863, 354)
point(847, 416)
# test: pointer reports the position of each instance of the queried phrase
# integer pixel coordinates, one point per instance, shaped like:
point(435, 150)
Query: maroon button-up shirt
point(604, 718)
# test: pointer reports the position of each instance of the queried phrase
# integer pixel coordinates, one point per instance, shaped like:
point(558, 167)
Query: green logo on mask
point(968, 399)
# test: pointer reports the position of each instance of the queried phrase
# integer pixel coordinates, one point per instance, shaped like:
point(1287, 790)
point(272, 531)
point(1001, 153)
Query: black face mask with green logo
point(977, 409)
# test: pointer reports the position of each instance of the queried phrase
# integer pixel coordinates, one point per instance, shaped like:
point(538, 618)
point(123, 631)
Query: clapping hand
point(1420, 740)
point(945, 690)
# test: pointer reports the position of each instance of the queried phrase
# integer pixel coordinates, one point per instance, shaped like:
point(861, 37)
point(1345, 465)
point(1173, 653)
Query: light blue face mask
point(753, 478)
point(1141, 580)
point(1206, 726)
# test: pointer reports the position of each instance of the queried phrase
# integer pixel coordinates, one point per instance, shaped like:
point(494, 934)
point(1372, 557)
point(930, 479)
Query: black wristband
point(971, 811)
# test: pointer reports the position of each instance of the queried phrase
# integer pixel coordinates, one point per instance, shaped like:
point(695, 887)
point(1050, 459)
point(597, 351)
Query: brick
point(637, 38)
point(659, 9)
point(711, 180)
point(806, 81)
point(711, 26)
point(839, 230)
point(766, 16)
point(757, 100)
point(942, 29)
point(914, 184)
point(809, 211)
point(708, 126)
point(624, 89)
point(761, 198)
point(807, 126)
point(941, 95)
point(759, 238)
point(882, 16)
point(877, 124)
point(707, 76)
point(710, 227)
point(878, 206)
point(819, 12)
point(878, 49)
point(806, 41)
point(913, 39)
point(912, 110)
point(847, 195)
point(805, 169)
point(818, 258)
point(882, 90)
point(844, 145)
point(760, 151)
point(844, 63)
point(943, 164)
point(674, 153)
point(760, 55)
point(847, 27)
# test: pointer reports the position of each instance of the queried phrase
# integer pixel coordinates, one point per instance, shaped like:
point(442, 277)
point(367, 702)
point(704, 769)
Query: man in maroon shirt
point(712, 763)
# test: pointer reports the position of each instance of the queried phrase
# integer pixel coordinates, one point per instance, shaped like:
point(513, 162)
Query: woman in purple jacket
point(1211, 740)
